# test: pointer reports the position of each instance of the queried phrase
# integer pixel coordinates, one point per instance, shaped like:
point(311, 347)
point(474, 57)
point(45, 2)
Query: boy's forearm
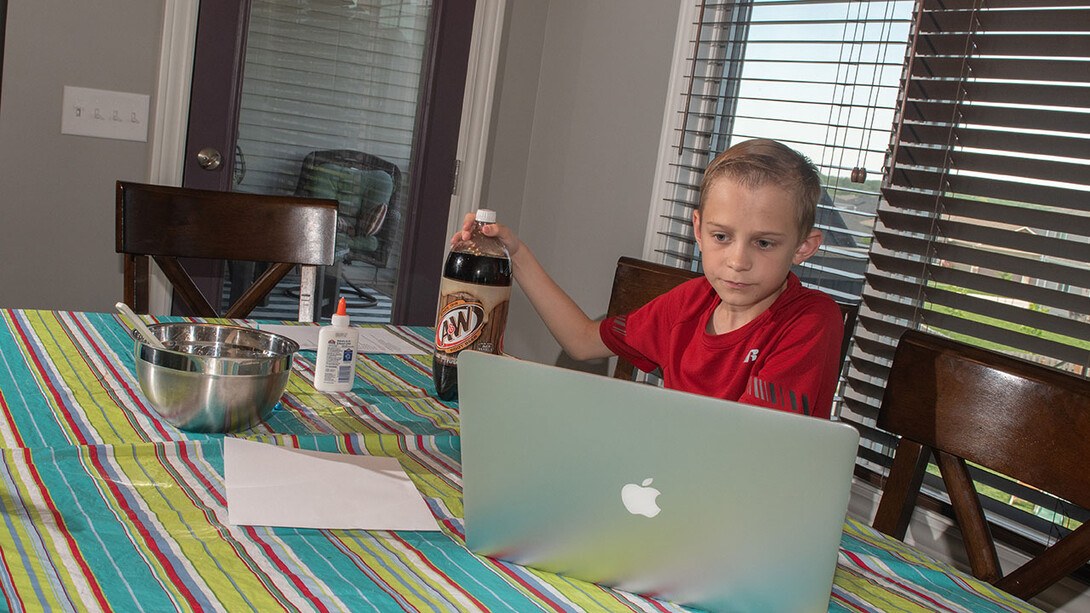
point(569, 325)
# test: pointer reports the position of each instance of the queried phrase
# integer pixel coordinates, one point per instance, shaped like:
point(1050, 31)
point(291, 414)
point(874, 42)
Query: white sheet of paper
point(269, 485)
point(372, 340)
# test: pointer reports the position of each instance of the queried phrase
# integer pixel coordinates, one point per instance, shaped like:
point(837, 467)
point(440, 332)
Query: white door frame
point(481, 74)
point(172, 111)
point(179, 37)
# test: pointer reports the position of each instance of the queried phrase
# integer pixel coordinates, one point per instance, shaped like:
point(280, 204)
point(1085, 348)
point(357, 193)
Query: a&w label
point(460, 323)
point(471, 316)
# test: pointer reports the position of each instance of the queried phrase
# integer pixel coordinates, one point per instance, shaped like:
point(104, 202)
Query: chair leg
point(901, 488)
point(368, 299)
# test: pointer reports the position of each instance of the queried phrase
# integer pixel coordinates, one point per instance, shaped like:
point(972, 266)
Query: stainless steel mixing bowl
point(211, 377)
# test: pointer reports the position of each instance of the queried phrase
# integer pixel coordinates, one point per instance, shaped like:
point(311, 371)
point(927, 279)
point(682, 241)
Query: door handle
point(209, 158)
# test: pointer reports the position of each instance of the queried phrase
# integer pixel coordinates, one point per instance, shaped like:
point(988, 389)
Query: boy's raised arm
point(569, 325)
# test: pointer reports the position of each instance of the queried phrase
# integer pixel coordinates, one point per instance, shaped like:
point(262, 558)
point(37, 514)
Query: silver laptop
point(697, 501)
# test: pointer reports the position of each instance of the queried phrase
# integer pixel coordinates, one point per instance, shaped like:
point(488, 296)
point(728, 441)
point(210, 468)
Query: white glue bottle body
point(336, 368)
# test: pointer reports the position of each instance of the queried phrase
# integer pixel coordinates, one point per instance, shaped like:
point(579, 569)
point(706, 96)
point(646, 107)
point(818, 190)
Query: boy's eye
point(719, 236)
point(765, 243)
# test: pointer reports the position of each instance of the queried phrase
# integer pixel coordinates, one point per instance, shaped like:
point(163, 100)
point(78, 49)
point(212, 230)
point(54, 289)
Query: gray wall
point(57, 191)
point(575, 138)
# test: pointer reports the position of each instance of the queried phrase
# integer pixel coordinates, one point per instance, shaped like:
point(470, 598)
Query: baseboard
point(938, 537)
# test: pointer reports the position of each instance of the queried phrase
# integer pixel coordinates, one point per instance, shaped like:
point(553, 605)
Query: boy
point(747, 330)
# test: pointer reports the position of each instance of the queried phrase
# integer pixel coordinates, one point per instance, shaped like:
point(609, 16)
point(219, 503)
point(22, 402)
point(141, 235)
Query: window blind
point(328, 76)
point(821, 77)
point(983, 231)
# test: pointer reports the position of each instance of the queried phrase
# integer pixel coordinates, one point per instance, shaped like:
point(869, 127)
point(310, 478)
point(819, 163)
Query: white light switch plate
point(104, 114)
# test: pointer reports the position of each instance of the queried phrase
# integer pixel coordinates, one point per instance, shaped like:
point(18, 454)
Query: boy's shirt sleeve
point(614, 333)
point(641, 336)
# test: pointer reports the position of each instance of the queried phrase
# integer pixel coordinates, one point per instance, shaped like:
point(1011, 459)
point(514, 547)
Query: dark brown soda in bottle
point(473, 300)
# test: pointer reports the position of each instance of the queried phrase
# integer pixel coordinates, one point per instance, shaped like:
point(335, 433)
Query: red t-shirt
point(788, 358)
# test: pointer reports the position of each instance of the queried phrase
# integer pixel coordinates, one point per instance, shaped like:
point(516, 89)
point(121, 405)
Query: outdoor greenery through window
point(966, 129)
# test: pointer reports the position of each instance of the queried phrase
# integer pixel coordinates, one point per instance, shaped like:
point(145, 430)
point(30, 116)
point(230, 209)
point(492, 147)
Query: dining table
point(107, 507)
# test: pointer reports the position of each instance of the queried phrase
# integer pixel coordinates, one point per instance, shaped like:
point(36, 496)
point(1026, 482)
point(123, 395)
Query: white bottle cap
point(486, 216)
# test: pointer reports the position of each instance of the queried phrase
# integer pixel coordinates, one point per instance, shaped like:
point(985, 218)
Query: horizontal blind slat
point(1054, 144)
point(1045, 68)
point(1035, 45)
point(994, 260)
point(968, 19)
point(997, 115)
point(1043, 296)
point(1011, 168)
point(1006, 93)
point(1012, 239)
point(1000, 212)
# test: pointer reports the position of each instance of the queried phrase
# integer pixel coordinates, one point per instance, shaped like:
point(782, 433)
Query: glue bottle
point(336, 368)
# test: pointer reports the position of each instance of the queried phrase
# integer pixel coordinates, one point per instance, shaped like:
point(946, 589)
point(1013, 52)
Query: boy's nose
point(738, 258)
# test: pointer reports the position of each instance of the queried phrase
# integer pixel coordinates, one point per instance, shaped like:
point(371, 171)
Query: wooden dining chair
point(167, 223)
point(637, 282)
point(965, 404)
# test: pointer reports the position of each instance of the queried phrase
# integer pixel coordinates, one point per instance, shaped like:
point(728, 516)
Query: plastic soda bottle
point(473, 300)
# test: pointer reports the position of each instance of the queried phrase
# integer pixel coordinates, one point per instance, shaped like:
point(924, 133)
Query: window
point(821, 77)
point(979, 142)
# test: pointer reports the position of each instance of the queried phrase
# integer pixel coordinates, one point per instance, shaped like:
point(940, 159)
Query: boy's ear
point(696, 228)
point(808, 247)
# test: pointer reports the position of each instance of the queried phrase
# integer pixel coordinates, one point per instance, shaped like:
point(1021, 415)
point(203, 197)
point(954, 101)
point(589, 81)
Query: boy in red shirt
point(747, 330)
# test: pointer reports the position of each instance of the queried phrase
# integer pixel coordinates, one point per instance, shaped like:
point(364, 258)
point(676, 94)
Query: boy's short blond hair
point(758, 162)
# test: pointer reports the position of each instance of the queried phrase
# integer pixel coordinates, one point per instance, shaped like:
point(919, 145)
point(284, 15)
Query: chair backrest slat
point(174, 222)
point(224, 225)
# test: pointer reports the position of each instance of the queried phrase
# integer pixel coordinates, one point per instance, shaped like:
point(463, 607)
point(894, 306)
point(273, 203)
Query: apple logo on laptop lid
point(640, 499)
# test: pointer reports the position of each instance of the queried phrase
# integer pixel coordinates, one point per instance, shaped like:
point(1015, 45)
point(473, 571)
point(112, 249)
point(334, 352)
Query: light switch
point(104, 114)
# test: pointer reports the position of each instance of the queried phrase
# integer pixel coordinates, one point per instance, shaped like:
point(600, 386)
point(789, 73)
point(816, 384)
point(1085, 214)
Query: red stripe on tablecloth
point(422, 558)
point(10, 419)
point(211, 488)
point(509, 571)
point(275, 559)
point(8, 597)
point(145, 534)
point(905, 587)
point(57, 397)
point(438, 458)
point(117, 376)
point(88, 575)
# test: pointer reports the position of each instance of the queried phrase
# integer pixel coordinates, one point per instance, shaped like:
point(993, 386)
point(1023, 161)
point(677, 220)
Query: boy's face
point(749, 239)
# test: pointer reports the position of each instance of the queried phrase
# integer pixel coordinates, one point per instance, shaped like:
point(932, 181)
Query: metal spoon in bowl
point(137, 323)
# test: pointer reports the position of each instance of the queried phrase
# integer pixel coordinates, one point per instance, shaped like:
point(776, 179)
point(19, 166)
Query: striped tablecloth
point(106, 507)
